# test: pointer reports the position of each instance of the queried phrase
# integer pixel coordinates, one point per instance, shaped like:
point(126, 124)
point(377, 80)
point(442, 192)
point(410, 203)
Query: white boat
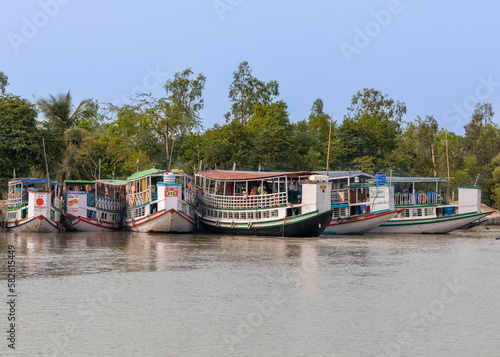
point(358, 206)
point(94, 206)
point(427, 211)
point(160, 201)
point(33, 205)
point(290, 204)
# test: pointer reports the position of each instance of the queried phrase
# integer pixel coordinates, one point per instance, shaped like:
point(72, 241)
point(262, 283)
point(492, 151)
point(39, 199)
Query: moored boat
point(94, 206)
point(426, 211)
point(33, 205)
point(358, 206)
point(160, 201)
point(289, 204)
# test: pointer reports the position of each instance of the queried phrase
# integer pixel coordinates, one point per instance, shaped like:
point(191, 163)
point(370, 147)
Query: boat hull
point(82, 224)
point(306, 225)
point(171, 221)
point(358, 224)
point(433, 225)
point(39, 224)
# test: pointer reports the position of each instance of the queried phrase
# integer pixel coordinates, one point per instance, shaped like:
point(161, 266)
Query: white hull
point(38, 224)
point(81, 224)
point(433, 225)
point(358, 224)
point(163, 221)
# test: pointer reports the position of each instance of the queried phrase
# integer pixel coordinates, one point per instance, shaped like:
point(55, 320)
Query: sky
point(439, 57)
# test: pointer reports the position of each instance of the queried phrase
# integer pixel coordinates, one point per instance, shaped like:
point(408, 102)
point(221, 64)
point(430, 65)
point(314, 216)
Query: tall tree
point(4, 82)
point(246, 91)
point(64, 126)
point(181, 107)
point(20, 142)
point(272, 135)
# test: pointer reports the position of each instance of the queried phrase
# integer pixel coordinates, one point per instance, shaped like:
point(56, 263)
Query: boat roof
point(78, 181)
point(415, 179)
point(226, 175)
point(145, 173)
point(14, 180)
point(112, 182)
point(345, 174)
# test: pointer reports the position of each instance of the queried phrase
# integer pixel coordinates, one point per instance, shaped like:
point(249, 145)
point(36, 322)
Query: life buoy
point(422, 198)
point(339, 220)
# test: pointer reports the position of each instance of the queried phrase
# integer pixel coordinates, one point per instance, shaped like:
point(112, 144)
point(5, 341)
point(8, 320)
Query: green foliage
point(4, 82)
point(246, 91)
point(20, 141)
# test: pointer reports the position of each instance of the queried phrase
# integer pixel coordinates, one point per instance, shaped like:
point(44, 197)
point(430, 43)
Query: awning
point(223, 175)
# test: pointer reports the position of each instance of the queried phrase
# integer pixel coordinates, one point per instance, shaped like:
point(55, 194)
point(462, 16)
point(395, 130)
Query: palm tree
point(60, 114)
point(63, 121)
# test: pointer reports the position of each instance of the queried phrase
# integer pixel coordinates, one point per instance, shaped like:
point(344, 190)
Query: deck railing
point(109, 204)
point(242, 202)
point(417, 198)
point(139, 198)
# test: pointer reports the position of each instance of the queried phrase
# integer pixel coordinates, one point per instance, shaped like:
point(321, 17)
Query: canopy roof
point(33, 180)
point(345, 174)
point(79, 181)
point(112, 182)
point(396, 179)
point(224, 175)
point(145, 173)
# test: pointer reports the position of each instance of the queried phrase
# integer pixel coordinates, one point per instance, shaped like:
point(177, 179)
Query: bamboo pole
point(46, 164)
point(328, 154)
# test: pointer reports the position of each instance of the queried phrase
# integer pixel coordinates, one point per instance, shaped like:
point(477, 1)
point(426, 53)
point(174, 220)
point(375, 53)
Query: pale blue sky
point(437, 56)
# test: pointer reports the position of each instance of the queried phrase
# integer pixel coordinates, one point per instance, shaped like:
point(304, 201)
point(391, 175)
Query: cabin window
point(250, 215)
point(405, 213)
point(265, 214)
point(417, 212)
point(12, 215)
point(243, 215)
point(429, 211)
point(236, 215)
point(230, 215)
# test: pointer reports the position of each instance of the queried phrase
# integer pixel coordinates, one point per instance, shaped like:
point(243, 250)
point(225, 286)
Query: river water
point(131, 294)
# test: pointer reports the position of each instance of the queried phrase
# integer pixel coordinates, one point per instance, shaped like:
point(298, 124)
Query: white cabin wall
point(381, 198)
point(160, 189)
point(469, 200)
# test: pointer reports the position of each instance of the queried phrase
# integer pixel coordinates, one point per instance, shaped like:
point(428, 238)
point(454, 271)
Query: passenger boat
point(160, 201)
point(427, 211)
point(33, 205)
point(290, 204)
point(358, 203)
point(94, 206)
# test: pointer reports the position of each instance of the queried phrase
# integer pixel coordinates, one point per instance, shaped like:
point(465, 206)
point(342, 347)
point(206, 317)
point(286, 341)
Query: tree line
point(167, 132)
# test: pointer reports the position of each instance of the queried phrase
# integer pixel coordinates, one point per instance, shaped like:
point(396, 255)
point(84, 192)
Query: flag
point(234, 165)
point(137, 164)
point(259, 167)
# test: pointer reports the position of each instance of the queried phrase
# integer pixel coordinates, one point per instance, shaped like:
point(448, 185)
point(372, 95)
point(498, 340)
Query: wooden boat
point(427, 211)
point(358, 206)
point(94, 206)
point(160, 201)
point(291, 204)
point(33, 205)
